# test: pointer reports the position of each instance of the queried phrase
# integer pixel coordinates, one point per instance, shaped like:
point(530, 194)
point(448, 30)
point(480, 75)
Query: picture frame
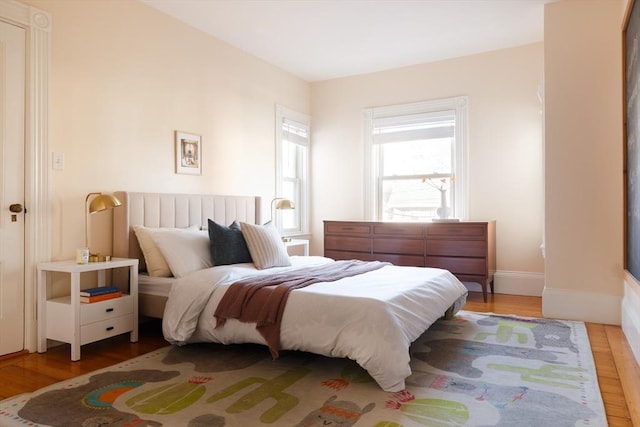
point(188, 153)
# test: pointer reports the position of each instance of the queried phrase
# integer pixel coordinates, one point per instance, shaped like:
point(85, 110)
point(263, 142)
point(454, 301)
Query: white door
point(12, 125)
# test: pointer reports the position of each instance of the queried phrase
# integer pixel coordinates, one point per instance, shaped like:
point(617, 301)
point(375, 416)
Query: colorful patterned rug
point(474, 370)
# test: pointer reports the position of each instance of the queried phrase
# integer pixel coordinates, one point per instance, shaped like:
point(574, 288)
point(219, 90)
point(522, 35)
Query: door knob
point(15, 208)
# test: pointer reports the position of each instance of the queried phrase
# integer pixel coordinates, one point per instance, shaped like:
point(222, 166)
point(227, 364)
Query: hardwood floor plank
point(610, 385)
point(628, 371)
point(619, 422)
point(598, 337)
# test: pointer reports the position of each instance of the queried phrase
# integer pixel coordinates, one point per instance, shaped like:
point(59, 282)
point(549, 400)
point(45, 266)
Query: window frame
point(372, 183)
point(301, 200)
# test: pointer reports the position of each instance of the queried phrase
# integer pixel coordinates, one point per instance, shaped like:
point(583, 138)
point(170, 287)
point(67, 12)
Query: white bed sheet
point(371, 318)
point(157, 286)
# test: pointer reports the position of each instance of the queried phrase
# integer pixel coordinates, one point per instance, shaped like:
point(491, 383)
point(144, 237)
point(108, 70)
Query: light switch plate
point(58, 161)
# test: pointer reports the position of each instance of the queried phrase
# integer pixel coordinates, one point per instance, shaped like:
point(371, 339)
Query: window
point(415, 156)
point(292, 169)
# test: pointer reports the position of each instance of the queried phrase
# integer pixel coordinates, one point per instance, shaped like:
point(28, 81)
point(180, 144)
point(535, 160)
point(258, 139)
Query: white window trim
point(282, 113)
point(460, 105)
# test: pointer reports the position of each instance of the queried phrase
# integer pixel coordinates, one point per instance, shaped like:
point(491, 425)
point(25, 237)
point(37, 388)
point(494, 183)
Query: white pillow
point(184, 251)
point(265, 245)
point(154, 260)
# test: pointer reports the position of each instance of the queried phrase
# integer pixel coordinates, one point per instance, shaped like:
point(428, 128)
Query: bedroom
point(115, 126)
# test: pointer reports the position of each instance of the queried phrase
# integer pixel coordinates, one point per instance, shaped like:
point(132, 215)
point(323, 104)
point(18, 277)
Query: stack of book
point(100, 293)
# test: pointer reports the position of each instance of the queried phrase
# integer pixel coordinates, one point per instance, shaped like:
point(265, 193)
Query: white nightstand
point(66, 319)
point(298, 243)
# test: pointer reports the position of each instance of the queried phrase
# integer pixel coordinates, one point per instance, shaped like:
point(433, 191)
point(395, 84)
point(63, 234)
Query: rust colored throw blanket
point(262, 300)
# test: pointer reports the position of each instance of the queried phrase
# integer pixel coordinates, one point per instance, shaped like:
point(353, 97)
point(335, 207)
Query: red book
point(102, 297)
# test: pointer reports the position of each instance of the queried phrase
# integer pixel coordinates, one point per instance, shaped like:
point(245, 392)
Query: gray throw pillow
point(227, 244)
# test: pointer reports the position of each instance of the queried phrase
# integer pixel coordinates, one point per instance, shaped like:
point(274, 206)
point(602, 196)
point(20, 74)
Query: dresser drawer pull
point(348, 228)
point(109, 310)
point(110, 328)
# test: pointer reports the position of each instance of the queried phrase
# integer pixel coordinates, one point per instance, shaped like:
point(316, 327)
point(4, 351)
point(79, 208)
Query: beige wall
point(583, 143)
point(124, 77)
point(505, 142)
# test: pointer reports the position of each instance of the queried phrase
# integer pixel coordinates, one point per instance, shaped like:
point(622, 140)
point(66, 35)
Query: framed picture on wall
point(188, 153)
point(631, 166)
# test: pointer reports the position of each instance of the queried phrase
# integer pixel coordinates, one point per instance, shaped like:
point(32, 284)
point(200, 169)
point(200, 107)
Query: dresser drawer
point(341, 243)
point(457, 230)
point(463, 248)
point(398, 246)
point(103, 310)
point(413, 230)
point(105, 329)
point(345, 255)
point(399, 259)
point(345, 228)
point(473, 266)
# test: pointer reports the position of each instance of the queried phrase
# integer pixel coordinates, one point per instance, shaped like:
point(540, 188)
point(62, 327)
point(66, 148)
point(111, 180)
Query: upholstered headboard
point(161, 210)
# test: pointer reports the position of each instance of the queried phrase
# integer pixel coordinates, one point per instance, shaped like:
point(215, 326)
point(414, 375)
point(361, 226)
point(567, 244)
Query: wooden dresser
point(467, 249)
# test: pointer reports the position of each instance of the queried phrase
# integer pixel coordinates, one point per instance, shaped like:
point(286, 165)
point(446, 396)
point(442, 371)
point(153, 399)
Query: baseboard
point(572, 304)
point(518, 283)
point(631, 314)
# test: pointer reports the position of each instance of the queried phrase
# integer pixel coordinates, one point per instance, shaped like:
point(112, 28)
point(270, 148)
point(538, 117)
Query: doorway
point(36, 237)
point(12, 107)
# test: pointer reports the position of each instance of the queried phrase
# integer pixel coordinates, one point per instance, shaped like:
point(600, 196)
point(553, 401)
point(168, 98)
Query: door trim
point(38, 26)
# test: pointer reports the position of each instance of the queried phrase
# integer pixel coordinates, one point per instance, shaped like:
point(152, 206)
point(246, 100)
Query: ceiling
point(324, 39)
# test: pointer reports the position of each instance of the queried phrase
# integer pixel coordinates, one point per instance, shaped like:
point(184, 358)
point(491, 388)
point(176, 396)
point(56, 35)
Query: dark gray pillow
point(227, 244)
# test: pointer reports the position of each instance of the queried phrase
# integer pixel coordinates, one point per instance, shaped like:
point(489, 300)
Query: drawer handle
point(110, 328)
point(348, 228)
point(109, 310)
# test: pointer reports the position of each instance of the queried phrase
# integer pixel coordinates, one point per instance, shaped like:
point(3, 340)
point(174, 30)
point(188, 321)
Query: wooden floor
point(618, 373)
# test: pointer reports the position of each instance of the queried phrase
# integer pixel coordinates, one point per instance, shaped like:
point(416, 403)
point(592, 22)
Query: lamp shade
point(100, 202)
point(284, 204)
point(103, 202)
point(280, 203)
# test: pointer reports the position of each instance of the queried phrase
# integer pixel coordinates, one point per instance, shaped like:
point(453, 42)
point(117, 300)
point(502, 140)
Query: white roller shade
point(414, 127)
point(295, 132)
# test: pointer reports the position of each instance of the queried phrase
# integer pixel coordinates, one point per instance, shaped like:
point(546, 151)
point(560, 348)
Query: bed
point(371, 317)
point(167, 210)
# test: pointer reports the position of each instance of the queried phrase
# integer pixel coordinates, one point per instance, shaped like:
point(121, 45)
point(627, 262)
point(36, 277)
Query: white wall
point(583, 158)
point(505, 146)
point(124, 78)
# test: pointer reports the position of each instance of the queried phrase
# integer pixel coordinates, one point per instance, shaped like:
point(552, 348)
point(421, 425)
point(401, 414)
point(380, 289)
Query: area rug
point(473, 370)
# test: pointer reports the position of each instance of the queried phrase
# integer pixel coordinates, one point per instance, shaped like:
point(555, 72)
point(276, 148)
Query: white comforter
point(371, 318)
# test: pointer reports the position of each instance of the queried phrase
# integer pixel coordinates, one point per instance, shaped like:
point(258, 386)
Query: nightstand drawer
point(105, 329)
point(103, 310)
